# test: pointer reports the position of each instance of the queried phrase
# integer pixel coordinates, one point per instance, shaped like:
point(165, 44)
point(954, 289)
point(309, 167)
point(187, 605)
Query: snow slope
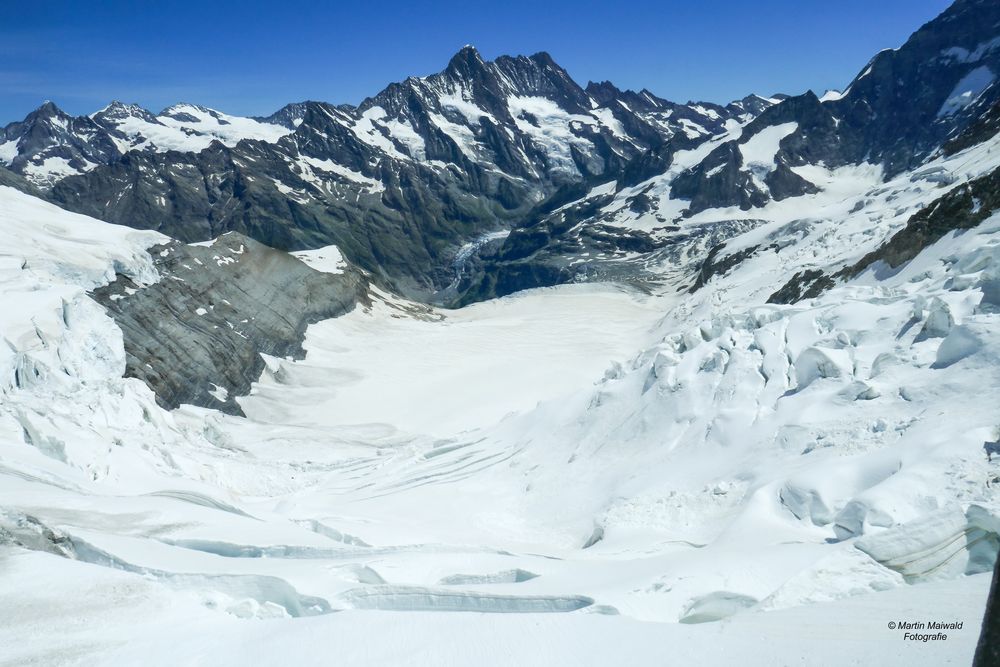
point(187, 127)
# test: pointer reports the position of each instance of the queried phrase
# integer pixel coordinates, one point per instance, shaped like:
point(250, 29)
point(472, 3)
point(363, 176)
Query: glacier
point(807, 470)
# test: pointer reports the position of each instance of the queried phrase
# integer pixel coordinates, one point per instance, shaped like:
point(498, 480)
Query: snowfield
point(531, 347)
point(188, 127)
point(575, 475)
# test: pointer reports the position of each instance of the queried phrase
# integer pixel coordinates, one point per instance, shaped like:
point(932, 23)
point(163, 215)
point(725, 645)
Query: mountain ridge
point(450, 156)
point(413, 174)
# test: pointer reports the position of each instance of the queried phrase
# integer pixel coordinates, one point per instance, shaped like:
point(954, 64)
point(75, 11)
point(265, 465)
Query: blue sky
point(253, 57)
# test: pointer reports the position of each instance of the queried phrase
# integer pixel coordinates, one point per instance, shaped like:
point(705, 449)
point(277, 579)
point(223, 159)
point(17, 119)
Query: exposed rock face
point(405, 230)
point(715, 265)
point(197, 335)
point(984, 127)
point(289, 116)
point(572, 244)
point(803, 285)
point(908, 100)
point(988, 648)
point(18, 182)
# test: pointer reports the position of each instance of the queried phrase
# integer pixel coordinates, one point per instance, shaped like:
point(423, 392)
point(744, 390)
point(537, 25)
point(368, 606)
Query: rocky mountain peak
point(544, 59)
point(539, 75)
point(603, 92)
point(47, 110)
point(119, 106)
point(465, 62)
point(289, 116)
point(186, 112)
point(606, 93)
point(118, 111)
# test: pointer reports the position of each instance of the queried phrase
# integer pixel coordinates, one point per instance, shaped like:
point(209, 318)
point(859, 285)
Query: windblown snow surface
point(576, 475)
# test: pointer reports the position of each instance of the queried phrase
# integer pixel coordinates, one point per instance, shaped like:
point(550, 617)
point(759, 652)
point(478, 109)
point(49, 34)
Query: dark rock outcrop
point(988, 648)
point(962, 208)
point(720, 266)
point(197, 335)
point(806, 284)
point(985, 127)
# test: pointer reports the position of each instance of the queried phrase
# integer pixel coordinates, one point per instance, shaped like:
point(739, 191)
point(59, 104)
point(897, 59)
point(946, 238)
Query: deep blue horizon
point(254, 57)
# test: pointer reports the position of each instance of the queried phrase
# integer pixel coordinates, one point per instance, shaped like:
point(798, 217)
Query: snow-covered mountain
point(522, 115)
point(445, 158)
point(906, 108)
point(49, 144)
point(181, 127)
point(754, 396)
point(452, 161)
